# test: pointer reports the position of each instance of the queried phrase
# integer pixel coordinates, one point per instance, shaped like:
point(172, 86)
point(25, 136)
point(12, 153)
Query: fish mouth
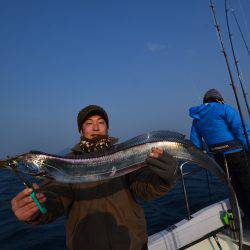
point(8, 164)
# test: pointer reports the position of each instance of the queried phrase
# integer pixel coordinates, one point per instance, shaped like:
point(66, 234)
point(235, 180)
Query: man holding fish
point(102, 214)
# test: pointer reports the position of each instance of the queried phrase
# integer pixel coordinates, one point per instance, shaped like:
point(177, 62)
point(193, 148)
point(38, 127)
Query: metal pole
point(236, 61)
point(185, 191)
point(238, 25)
point(230, 74)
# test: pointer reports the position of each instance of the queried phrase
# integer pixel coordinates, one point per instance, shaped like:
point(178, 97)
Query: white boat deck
point(194, 234)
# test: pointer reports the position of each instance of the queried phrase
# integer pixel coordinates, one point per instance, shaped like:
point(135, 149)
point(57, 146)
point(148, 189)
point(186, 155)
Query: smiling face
point(94, 126)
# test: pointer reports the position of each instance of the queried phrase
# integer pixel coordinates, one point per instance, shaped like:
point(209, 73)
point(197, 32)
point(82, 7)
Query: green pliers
point(41, 207)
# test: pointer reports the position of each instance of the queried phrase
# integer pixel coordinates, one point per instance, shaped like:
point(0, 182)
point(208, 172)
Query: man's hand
point(24, 207)
point(163, 164)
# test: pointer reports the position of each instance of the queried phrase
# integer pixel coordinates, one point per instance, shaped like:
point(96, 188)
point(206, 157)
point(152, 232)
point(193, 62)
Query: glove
point(164, 166)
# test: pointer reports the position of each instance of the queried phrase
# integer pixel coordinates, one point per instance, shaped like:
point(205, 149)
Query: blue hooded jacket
point(216, 123)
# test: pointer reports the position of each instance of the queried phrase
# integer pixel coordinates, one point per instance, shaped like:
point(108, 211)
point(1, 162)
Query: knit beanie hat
point(212, 94)
point(88, 111)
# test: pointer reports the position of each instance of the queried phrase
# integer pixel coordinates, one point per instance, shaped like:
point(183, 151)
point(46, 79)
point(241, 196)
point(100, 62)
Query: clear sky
point(145, 62)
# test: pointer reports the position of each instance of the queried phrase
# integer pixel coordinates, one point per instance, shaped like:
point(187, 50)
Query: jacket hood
point(198, 112)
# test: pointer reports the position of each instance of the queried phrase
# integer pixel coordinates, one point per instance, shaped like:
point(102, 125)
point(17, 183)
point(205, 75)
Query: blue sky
point(145, 62)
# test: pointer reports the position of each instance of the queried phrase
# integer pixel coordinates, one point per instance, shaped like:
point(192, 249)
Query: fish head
point(31, 164)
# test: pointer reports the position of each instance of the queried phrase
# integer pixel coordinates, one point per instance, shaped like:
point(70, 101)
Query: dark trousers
point(239, 173)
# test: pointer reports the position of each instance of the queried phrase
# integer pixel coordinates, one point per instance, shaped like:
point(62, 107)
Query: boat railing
point(184, 189)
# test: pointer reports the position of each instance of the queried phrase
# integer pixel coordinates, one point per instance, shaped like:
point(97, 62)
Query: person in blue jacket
point(218, 127)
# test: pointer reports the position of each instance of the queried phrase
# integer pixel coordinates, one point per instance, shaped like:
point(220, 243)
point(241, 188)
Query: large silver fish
point(123, 158)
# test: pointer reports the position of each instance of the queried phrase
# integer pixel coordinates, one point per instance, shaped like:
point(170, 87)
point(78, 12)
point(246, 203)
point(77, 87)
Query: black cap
point(88, 111)
point(212, 94)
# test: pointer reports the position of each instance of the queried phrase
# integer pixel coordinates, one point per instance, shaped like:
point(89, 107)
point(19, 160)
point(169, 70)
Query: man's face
point(94, 126)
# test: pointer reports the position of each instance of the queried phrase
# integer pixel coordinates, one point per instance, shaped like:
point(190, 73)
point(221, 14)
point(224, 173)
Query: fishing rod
point(230, 73)
point(236, 61)
point(242, 36)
